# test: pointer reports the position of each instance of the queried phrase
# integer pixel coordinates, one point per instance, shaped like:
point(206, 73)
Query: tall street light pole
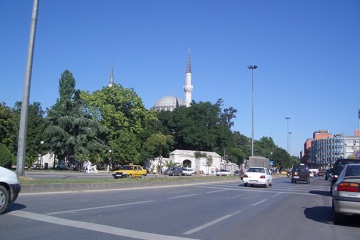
point(290, 143)
point(287, 133)
point(26, 95)
point(252, 67)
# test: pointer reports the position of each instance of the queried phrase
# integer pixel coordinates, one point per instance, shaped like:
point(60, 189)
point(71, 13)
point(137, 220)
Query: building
point(169, 103)
point(324, 148)
point(209, 163)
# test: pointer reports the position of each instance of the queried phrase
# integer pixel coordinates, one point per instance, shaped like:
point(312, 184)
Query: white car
point(9, 188)
point(258, 176)
point(223, 172)
point(187, 171)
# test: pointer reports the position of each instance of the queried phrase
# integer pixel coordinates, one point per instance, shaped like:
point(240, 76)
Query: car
point(223, 172)
point(9, 188)
point(346, 193)
point(129, 171)
point(257, 176)
point(186, 171)
point(300, 173)
point(337, 168)
point(174, 171)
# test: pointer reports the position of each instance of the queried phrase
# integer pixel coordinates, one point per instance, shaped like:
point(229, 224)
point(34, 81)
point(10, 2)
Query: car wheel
point(115, 177)
point(130, 176)
point(4, 199)
point(245, 184)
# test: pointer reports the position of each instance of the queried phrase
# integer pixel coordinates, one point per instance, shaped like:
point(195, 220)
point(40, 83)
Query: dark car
point(174, 171)
point(300, 173)
point(337, 169)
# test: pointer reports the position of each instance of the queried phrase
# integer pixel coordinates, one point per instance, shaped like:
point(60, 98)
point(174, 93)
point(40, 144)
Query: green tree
point(122, 112)
point(35, 138)
point(8, 128)
point(71, 134)
point(6, 158)
point(156, 143)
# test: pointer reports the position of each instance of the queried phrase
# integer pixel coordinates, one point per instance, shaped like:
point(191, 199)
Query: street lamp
point(252, 67)
point(287, 131)
point(40, 155)
point(160, 158)
point(108, 167)
point(290, 142)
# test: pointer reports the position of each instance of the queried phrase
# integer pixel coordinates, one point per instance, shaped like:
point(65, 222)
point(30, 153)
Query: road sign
point(271, 163)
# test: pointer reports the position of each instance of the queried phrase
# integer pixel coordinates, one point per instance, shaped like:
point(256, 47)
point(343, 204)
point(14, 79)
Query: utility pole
point(20, 161)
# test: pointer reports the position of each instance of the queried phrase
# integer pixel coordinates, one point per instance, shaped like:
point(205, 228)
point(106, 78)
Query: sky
point(307, 53)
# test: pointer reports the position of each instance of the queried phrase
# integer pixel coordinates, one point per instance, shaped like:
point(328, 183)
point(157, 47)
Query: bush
point(5, 156)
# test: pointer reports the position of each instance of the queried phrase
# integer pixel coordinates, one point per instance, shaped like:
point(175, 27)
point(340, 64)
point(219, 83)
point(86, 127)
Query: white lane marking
point(217, 191)
point(94, 227)
point(259, 202)
point(194, 230)
point(183, 196)
point(101, 207)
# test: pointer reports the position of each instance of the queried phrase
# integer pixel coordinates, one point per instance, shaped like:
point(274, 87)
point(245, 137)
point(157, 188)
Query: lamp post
point(108, 167)
point(290, 142)
point(160, 158)
point(40, 155)
point(287, 133)
point(252, 67)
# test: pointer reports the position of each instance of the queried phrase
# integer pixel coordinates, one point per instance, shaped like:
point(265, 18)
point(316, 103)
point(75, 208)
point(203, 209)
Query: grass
point(33, 181)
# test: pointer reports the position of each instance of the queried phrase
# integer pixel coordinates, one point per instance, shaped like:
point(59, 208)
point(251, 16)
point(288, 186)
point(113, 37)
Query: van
point(300, 173)
point(9, 188)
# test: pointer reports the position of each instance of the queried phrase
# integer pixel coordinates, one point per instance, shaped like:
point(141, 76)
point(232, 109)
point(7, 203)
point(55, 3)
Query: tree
point(202, 126)
point(156, 143)
point(36, 129)
point(8, 128)
point(71, 134)
point(122, 112)
point(6, 158)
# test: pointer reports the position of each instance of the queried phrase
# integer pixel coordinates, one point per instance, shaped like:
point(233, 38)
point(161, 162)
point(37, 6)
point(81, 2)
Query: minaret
point(188, 87)
point(111, 82)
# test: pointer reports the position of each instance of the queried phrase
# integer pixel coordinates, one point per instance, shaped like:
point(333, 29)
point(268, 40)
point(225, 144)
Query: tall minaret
point(111, 82)
point(188, 87)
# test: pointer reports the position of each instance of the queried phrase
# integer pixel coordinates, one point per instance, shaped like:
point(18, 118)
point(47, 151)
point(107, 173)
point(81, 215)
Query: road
point(224, 210)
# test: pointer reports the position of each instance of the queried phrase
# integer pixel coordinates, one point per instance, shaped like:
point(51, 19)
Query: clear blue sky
point(307, 52)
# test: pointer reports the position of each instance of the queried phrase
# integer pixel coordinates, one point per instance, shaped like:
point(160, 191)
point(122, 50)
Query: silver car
point(346, 193)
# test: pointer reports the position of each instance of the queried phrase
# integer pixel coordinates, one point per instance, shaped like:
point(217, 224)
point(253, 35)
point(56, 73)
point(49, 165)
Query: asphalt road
point(223, 210)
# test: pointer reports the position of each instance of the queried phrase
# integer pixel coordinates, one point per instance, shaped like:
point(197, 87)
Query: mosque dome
point(168, 103)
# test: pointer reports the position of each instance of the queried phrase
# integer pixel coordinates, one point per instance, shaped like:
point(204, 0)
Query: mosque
point(184, 158)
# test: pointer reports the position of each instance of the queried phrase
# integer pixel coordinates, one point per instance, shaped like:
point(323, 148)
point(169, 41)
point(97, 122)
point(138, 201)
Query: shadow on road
point(324, 215)
point(322, 193)
point(14, 207)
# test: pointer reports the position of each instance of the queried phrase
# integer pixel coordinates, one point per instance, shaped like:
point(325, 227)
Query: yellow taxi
point(129, 171)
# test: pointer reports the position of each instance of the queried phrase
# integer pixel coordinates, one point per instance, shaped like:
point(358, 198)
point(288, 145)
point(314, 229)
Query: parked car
point(129, 171)
point(346, 193)
point(9, 188)
point(321, 173)
point(300, 173)
point(187, 171)
point(337, 168)
point(174, 171)
point(258, 176)
point(223, 172)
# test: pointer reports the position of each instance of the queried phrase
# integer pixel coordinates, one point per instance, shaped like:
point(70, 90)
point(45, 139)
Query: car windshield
point(353, 170)
point(260, 170)
point(126, 168)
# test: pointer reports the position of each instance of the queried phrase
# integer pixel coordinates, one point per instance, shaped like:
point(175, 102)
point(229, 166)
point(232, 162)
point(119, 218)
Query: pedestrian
point(85, 166)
